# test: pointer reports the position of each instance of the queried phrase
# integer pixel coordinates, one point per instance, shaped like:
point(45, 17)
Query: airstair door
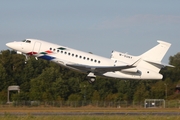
point(37, 47)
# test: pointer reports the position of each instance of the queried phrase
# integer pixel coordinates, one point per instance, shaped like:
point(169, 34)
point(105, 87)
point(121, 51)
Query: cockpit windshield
point(26, 41)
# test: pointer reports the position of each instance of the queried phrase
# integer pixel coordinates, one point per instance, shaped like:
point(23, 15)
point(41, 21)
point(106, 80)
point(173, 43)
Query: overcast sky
point(98, 26)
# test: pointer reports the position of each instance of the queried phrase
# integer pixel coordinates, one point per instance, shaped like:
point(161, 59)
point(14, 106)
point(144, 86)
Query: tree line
point(42, 80)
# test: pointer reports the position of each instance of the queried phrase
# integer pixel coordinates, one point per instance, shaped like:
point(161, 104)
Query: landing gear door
point(37, 47)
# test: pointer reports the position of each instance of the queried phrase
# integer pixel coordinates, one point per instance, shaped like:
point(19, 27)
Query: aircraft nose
point(9, 44)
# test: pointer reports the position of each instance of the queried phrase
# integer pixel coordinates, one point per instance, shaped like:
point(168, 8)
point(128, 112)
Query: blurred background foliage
point(46, 81)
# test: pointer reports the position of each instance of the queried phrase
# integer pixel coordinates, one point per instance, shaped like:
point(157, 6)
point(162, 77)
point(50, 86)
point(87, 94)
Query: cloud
point(121, 22)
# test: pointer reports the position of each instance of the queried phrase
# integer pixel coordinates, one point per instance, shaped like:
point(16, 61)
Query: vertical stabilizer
point(157, 53)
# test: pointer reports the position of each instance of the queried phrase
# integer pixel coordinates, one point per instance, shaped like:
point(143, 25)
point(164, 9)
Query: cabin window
point(65, 52)
point(80, 56)
point(91, 59)
point(87, 58)
point(54, 49)
point(50, 48)
point(84, 58)
point(99, 62)
point(72, 54)
point(69, 53)
point(95, 60)
point(57, 50)
point(76, 55)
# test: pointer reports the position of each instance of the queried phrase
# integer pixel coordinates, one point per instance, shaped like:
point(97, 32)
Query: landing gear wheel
point(91, 79)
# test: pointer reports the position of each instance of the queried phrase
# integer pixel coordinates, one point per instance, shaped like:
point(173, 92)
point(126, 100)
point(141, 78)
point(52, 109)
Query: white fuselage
point(63, 55)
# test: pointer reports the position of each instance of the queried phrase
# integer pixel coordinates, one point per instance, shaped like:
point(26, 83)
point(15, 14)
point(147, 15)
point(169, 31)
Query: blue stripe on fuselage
point(46, 57)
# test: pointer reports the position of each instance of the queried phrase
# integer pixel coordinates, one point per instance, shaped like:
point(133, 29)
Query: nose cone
point(10, 45)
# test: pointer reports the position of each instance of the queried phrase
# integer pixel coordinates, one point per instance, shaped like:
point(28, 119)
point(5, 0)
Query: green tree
point(75, 97)
point(95, 96)
point(141, 93)
point(3, 95)
point(158, 90)
point(61, 89)
point(112, 97)
point(3, 77)
point(173, 73)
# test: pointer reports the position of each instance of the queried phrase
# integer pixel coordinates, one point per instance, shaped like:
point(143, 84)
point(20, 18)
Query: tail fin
point(157, 53)
point(153, 57)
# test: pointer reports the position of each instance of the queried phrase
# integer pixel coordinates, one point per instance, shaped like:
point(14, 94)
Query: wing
point(100, 69)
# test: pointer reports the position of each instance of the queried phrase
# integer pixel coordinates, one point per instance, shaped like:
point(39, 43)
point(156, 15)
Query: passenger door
point(37, 46)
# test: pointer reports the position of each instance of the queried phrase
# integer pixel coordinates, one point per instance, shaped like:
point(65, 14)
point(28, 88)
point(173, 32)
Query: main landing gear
point(91, 77)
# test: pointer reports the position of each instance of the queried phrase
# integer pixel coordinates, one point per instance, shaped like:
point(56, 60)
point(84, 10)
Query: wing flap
point(99, 68)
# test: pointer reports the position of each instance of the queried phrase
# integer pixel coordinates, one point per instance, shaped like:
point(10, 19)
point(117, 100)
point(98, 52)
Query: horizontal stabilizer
point(158, 63)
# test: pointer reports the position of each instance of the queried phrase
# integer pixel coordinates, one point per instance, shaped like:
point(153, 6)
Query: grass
point(88, 117)
point(27, 111)
point(83, 109)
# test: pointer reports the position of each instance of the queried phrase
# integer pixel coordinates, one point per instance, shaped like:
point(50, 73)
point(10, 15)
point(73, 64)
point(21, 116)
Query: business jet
point(119, 65)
